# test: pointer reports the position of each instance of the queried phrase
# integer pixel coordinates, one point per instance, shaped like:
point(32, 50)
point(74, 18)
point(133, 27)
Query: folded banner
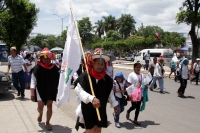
point(70, 62)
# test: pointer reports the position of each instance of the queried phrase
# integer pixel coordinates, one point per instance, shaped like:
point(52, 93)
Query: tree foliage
point(112, 35)
point(149, 30)
point(85, 28)
point(189, 14)
point(126, 25)
point(172, 39)
point(17, 22)
point(109, 23)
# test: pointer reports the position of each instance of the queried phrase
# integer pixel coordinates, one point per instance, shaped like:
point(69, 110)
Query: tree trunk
point(195, 43)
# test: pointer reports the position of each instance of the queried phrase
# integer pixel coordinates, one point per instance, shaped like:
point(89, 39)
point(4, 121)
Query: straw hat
point(98, 55)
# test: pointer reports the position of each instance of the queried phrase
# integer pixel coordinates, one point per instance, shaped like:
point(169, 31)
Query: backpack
point(137, 94)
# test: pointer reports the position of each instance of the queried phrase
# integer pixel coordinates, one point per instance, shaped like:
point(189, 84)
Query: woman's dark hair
point(136, 64)
point(27, 56)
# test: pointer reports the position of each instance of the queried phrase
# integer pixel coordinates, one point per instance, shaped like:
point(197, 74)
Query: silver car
point(130, 57)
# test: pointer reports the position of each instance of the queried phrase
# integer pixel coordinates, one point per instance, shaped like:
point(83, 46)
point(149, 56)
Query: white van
point(166, 53)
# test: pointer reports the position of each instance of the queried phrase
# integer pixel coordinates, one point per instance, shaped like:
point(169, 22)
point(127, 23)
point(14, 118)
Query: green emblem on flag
point(68, 73)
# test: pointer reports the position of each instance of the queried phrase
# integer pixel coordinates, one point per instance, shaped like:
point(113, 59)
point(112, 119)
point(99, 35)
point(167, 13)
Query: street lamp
point(62, 20)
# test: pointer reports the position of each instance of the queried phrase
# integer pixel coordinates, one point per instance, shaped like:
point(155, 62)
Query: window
point(139, 54)
point(155, 54)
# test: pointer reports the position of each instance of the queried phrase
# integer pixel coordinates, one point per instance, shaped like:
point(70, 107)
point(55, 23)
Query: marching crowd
point(43, 81)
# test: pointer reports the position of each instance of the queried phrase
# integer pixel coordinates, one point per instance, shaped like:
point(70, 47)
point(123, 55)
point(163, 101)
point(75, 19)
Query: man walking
point(158, 75)
point(151, 70)
point(147, 59)
point(184, 76)
point(196, 70)
point(15, 62)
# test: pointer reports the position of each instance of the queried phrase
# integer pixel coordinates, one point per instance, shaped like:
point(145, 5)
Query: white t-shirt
point(133, 78)
point(28, 67)
point(118, 94)
point(147, 56)
point(196, 67)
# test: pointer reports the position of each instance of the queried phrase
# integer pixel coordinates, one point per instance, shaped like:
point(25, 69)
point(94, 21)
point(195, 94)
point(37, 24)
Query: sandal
point(137, 123)
point(127, 115)
point(48, 127)
point(39, 119)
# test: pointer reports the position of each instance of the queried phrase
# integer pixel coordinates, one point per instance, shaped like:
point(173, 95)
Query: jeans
point(183, 83)
point(120, 107)
point(196, 77)
point(147, 64)
point(160, 81)
point(19, 78)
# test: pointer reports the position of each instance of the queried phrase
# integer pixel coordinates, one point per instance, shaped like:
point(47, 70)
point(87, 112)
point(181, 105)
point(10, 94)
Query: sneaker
point(117, 125)
point(162, 92)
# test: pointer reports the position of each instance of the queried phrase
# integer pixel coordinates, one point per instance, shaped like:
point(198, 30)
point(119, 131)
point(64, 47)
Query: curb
point(143, 71)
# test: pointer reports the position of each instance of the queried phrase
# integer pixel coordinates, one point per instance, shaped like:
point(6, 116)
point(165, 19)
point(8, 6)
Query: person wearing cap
point(184, 76)
point(102, 86)
point(44, 84)
point(196, 70)
point(15, 62)
point(158, 75)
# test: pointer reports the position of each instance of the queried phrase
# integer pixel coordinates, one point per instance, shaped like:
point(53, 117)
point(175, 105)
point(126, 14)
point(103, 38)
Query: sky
point(160, 13)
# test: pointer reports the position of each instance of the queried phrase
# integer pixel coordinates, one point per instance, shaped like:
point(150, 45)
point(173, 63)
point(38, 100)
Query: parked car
point(5, 82)
point(130, 57)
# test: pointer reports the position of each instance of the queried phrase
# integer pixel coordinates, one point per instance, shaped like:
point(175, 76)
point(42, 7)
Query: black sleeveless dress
point(102, 90)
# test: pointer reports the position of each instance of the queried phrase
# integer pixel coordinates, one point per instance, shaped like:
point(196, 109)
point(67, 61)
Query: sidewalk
point(130, 67)
point(20, 116)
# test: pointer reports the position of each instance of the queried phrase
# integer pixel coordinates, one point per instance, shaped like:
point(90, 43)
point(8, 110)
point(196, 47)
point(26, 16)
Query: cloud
point(160, 13)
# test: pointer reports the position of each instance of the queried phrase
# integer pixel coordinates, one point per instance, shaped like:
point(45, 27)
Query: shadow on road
point(55, 129)
point(7, 96)
point(191, 97)
point(127, 125)
point(146, 123)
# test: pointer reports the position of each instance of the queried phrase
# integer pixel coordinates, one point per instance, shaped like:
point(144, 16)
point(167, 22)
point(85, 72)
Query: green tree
point(97, 45)
point(112, 35)
point(126, 25)
point(99, 28)
point(172, 39)
point(149, 30)
point(17, 22)
point(85, 28)
point(109, 23)
point(189, 14)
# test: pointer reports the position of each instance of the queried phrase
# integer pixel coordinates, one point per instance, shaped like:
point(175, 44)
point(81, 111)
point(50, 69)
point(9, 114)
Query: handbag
point(124, 101)
point(137, 94)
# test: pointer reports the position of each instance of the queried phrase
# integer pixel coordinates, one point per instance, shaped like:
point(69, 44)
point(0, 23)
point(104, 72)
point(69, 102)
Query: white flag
point(70, 62)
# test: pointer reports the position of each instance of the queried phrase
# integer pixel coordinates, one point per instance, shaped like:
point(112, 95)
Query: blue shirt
point(16, 63)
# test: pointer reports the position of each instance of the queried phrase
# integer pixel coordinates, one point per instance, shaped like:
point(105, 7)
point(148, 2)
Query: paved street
point(164, 113)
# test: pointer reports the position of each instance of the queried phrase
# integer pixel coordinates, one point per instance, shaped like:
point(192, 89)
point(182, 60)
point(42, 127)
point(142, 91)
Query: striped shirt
point(16, 63)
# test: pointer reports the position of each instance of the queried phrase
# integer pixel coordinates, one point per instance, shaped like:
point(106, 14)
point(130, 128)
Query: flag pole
point(90, 81)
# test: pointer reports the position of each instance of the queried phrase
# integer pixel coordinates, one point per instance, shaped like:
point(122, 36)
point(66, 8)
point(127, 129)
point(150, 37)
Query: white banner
point(70, 62)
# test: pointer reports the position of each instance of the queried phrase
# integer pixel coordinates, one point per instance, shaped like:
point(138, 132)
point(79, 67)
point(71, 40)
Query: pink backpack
point(137, 94)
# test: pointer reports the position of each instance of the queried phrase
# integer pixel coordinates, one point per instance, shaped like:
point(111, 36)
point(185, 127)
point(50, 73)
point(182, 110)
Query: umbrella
point(56, 49)
point(32, 48)
point(186, 48)
point(112, 57)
